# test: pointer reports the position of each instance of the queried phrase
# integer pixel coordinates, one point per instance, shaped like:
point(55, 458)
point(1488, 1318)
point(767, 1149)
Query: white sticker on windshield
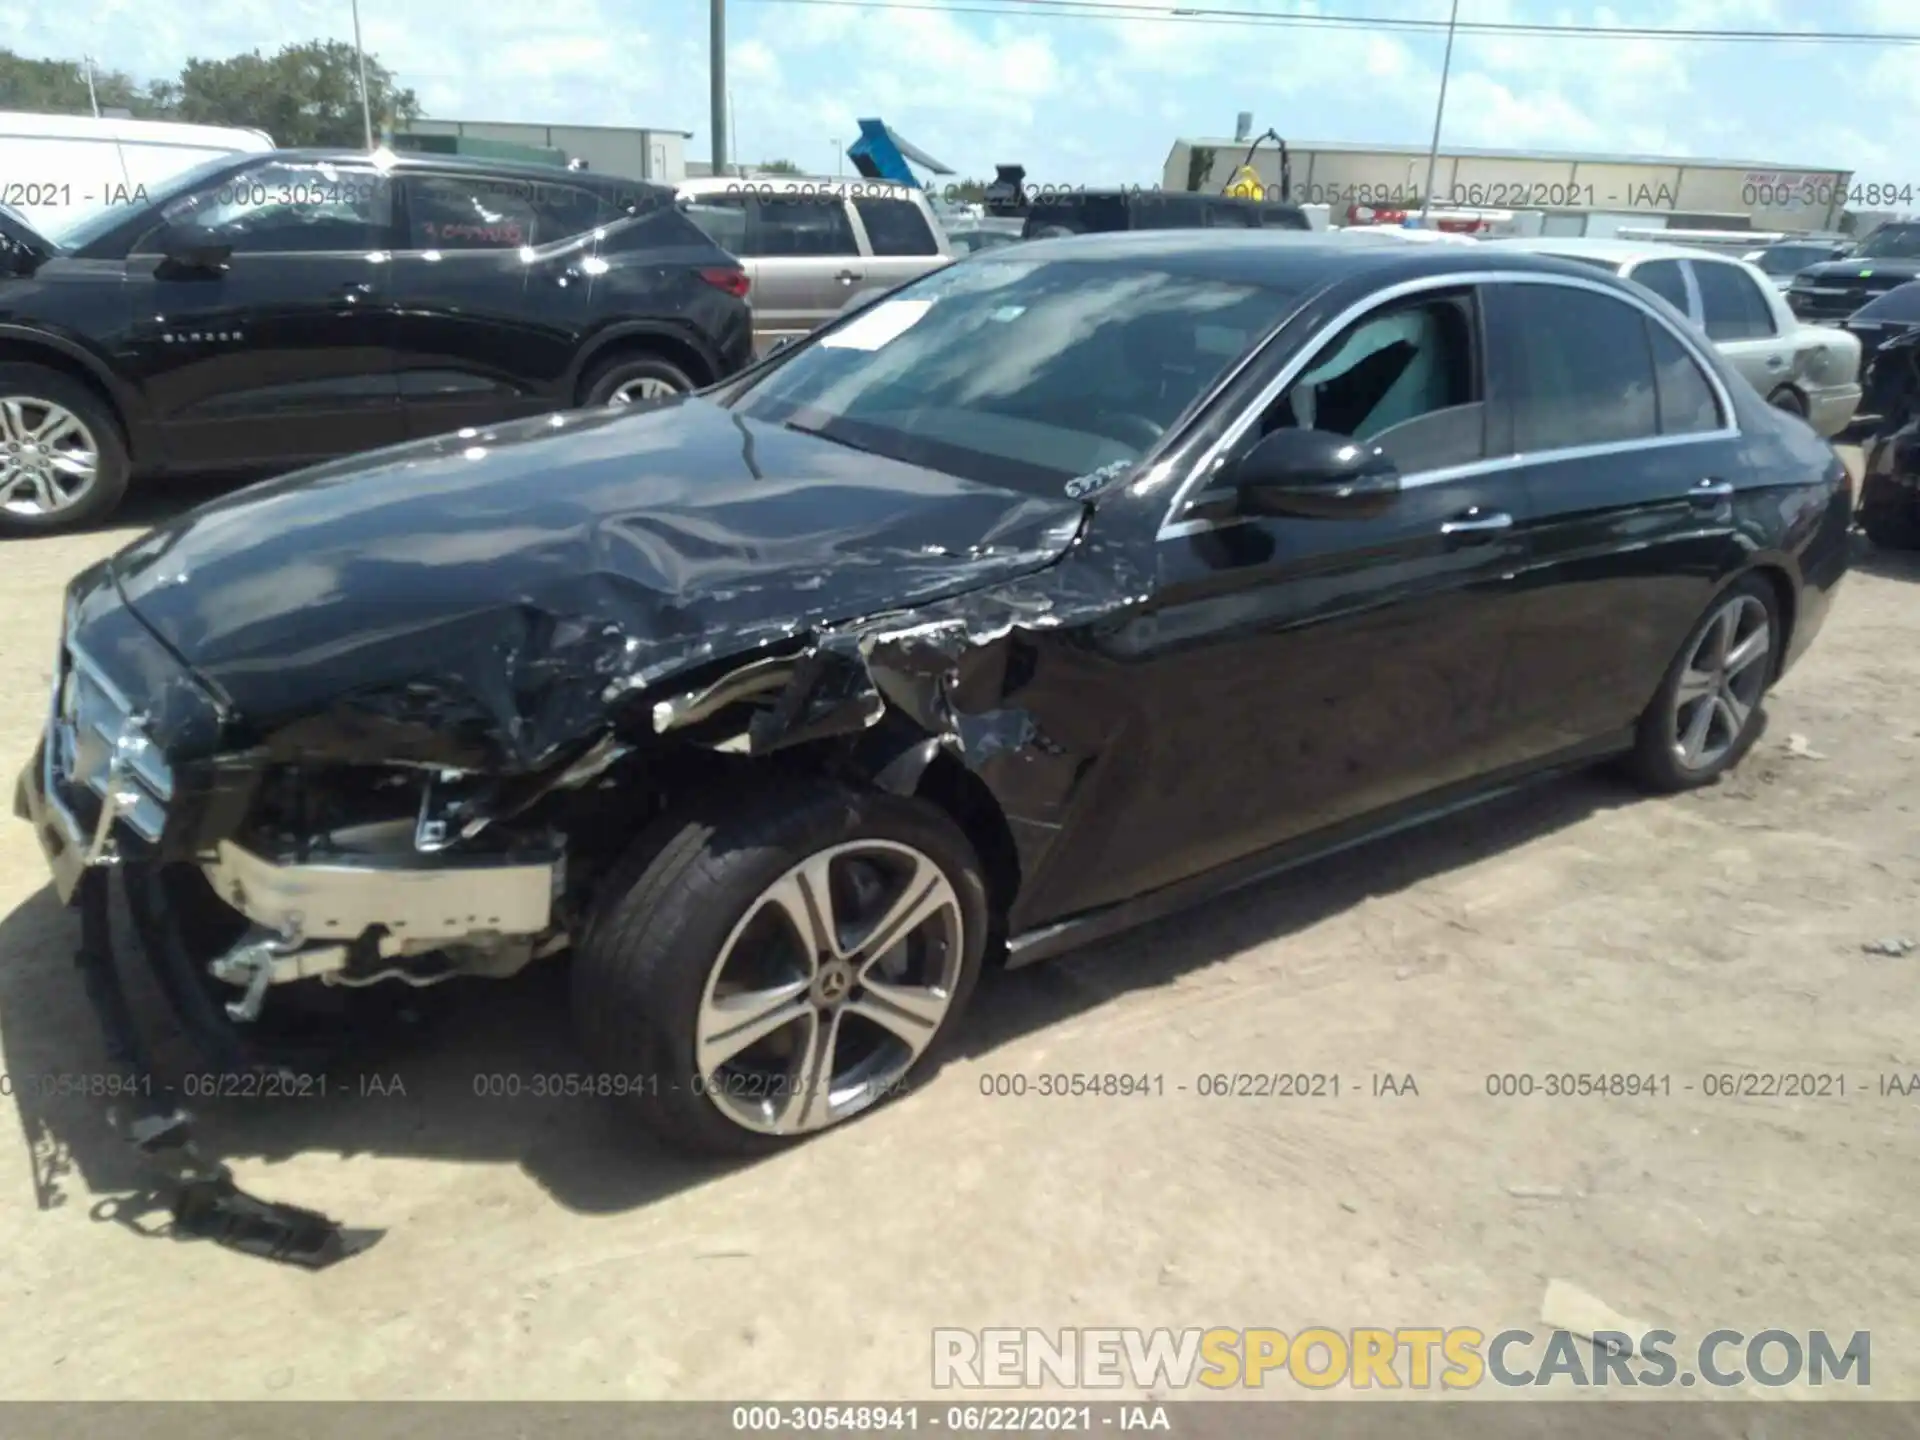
point(884, 323)
point(1009, 312)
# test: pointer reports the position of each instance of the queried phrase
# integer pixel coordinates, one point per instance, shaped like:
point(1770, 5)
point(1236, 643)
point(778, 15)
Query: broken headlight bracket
point(200, 1192)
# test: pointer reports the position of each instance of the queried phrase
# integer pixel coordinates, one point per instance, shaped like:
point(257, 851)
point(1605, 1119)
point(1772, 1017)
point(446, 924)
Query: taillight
point(734, 282)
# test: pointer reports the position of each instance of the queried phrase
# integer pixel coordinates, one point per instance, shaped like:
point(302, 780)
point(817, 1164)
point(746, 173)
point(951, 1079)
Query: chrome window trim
point(1172, 528)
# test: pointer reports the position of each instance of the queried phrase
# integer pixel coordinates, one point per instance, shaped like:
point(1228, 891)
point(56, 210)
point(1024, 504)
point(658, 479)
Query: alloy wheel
point(647, 387)
point(1724, 679)
point(48, 457)
point(829, 988)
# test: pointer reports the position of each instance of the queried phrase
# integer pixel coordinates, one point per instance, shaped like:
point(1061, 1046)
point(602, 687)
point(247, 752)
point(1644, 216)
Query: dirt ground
point(536, 1249)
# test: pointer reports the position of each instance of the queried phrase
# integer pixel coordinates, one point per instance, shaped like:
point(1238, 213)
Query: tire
point(621, 375)
point(1892, 527)
point(1660, 759)
point(688, 915)
point(38, 396)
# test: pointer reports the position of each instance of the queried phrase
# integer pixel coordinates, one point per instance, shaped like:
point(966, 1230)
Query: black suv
point(263, 311)
point(1077, 210)
point(1831, 291)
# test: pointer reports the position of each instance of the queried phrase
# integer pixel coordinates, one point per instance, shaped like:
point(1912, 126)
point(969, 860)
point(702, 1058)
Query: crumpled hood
point(479, 598)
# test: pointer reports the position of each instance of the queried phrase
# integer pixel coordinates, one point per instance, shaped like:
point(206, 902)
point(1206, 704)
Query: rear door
point(1625, 439)
point(900, 242)
point(493, 287)
point(1738, 319)
point(285, 354)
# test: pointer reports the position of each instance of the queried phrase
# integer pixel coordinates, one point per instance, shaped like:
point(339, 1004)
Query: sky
point(1097, 96)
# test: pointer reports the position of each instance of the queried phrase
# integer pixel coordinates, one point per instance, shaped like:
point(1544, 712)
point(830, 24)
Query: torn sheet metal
point(480, 602)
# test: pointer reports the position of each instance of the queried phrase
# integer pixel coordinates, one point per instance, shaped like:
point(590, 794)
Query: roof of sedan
point(1618, 252)
point(1292, 259)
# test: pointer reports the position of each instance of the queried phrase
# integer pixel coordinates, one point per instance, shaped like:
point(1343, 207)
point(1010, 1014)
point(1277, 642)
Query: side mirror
point(190, 249)
point(1314, 473)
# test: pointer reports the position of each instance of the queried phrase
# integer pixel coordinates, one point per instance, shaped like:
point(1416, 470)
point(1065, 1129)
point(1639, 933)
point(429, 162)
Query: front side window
point(283, 207)
point(1792, 259)
point(1402, 378)
point(1666, 279)
point(1731, 305)
point(1021, 373)
point(895, 227)
point(1584, 372)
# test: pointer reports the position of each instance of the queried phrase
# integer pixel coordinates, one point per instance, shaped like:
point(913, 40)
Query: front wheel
point(769, 964)
point(1706, 714)
point(633, 378)
point(62, 462)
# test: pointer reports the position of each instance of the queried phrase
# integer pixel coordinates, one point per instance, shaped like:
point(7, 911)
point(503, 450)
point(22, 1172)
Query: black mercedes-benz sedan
point(265, 311)
point(1062, 588)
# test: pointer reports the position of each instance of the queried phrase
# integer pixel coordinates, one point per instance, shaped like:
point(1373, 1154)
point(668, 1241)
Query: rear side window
point(1731, 305)
point(1687, 406)
point(895, 227)
point(1283, 217)
point(1071, 214)
point(480, 212)
point(1585, 369)
point(723, 218)
point(1666, 279)
point(799, 224)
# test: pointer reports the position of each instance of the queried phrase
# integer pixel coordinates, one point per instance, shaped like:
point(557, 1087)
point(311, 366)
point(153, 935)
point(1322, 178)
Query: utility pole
point(93, 99)
point(366, 103)
point(838, 169)
point(1433, 152)
point(717, 81)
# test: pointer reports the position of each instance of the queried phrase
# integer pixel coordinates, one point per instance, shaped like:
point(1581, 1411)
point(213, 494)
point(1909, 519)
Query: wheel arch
point(21, 345)
point(641, 337)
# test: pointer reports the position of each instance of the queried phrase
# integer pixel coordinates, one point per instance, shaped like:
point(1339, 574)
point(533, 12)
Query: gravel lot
point(536, 1249)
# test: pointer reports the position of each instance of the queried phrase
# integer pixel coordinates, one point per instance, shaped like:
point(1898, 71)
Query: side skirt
point(1045, 942)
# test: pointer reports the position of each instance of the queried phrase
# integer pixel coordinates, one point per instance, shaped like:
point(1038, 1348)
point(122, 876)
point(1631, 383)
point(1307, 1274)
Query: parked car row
point(260, 312)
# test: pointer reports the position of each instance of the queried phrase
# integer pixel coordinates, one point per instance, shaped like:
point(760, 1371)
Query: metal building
point(641, 153)
point(1567, 188)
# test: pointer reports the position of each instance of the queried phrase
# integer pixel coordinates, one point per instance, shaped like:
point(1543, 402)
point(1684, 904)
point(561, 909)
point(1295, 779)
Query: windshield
point(1900, 305)
point(1016, 372)
point(1890, 242)
point(1791, 259)
point(83, 227)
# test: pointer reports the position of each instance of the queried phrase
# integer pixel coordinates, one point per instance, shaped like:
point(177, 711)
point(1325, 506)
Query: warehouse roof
point(1462, 152)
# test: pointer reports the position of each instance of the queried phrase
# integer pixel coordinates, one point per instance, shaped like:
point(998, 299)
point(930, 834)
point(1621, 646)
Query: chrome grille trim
point(95, 738)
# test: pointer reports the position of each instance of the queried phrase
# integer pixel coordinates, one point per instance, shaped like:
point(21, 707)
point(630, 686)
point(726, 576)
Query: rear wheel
point(62, 462)
point(769, 965)
point(1892, 526)
point(1707, 712)
point(634, 377)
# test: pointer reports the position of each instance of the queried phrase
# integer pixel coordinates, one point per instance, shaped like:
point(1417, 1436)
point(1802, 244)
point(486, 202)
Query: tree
point(776, 167)
point(1200, 166)
point(59, 87)
point(970, 192)
point(301, 95)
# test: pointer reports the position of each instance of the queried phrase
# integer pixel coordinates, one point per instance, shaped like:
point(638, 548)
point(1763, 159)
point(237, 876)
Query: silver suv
point(813, 246)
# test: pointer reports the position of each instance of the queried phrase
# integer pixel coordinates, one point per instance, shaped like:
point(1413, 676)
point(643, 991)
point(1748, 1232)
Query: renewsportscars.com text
point(1457, 1358)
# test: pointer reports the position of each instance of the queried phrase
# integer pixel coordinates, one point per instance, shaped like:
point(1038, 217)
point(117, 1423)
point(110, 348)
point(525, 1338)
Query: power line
point(1210, 15)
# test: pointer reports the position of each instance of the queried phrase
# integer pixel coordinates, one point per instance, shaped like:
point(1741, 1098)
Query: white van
point(54, 168)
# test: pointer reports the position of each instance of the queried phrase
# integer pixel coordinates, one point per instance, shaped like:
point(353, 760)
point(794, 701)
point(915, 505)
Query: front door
point(281, 353)
point(1628, 441)
point(1297, 673)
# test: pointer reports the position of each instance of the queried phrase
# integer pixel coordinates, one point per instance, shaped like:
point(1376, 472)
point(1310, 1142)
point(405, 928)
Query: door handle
point(1776, 362)
point(848, 276)
point(354, 291)
point(1476, 521)
point(1711, 491)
